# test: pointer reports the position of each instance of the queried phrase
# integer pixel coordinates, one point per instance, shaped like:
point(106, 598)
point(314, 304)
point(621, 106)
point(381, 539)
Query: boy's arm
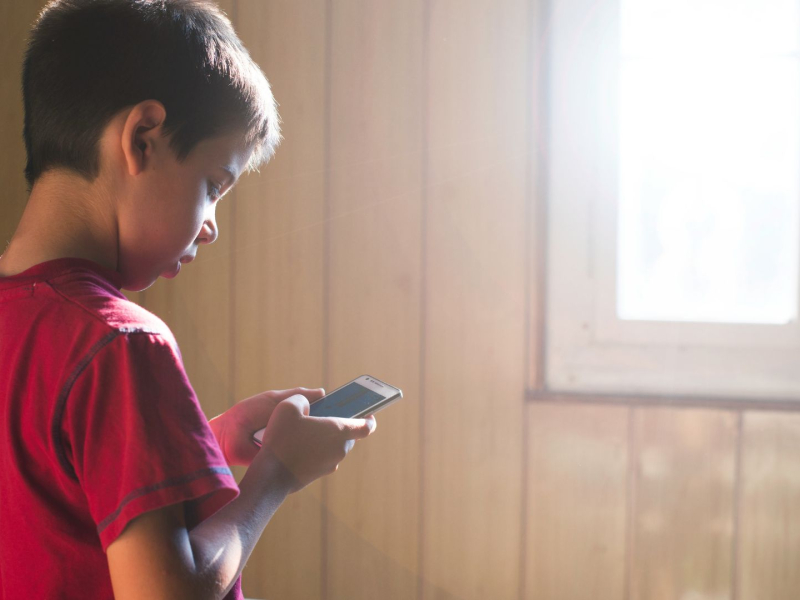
point(156, 557)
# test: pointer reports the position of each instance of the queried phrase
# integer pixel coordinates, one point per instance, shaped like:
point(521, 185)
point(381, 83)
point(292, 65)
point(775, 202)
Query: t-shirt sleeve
point(135, 434)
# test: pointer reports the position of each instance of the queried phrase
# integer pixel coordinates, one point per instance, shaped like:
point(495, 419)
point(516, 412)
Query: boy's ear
point(141, 131)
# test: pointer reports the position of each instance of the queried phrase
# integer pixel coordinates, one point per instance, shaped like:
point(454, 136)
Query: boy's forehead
point(223, 145)
point(228, 151)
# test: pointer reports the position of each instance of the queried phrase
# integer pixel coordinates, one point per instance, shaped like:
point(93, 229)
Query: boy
point(139, 116)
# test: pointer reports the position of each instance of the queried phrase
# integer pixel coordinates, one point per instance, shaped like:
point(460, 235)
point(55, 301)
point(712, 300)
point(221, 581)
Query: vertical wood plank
point(474, 372)
point(372, 517)
point(17, 19)
point(683, 519)
point(277, 263)
point(536, 185)
point(576, 502)
point(769, 522)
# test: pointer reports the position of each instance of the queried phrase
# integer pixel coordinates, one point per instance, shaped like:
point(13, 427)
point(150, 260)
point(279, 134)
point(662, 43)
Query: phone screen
point(345, 402)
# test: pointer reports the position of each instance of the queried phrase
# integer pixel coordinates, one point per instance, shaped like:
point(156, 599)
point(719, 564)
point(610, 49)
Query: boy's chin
point(173, 272)
point(141, 285)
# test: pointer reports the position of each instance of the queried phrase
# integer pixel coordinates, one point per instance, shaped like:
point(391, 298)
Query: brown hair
point(88, 59)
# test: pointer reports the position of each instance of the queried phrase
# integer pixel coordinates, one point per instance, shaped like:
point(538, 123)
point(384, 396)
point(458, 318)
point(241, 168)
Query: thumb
point(359, 428)
point(257, 409)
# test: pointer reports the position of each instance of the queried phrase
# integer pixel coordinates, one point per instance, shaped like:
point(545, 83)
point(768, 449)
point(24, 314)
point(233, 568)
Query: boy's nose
point(209, 233)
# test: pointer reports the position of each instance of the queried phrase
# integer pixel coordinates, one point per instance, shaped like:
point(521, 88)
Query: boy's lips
point(174, 272)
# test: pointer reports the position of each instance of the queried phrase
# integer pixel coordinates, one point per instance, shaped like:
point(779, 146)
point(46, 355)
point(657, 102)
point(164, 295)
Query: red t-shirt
point(98, 424)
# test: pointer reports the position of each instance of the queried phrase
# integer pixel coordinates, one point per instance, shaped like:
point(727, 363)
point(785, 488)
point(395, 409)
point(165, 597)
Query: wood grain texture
point(277, 260)
point(769, 521)
point(537, 52)
point(683, 515)
point(474, 376)
point(372, 516)
point(17, 19)
point(425, 179)
point(577, 481)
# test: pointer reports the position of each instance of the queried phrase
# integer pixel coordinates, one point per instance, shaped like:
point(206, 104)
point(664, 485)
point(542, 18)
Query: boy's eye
point(214, 190)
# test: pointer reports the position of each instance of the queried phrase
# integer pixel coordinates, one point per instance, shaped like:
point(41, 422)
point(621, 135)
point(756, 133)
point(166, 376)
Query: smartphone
point(361, 397)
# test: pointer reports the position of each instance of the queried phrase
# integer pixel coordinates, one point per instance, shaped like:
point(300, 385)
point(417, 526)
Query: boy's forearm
point(222, 544)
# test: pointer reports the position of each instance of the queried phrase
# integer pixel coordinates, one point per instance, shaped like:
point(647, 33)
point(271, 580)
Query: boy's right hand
point(310, 447)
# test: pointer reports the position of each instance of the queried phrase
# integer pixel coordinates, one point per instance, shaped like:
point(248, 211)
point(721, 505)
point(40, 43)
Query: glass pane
point(709, 170)
point(692, 27)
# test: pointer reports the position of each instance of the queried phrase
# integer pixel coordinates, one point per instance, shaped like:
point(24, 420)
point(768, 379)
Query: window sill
point(721, 403)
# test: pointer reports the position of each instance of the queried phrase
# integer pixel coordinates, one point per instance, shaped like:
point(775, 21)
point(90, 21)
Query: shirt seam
point(47, 278)
point(80, 270)
point(61, 401)
point(81, 306)
point(166, 483)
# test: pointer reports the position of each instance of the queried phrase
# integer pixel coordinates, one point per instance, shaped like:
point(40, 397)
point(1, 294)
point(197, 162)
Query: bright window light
point(709, 180)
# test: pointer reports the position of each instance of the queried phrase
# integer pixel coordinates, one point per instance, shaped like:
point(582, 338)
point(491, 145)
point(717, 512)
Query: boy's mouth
point(174, 272)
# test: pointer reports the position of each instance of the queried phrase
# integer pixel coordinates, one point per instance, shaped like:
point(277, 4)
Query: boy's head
point(150, 99)
point(89, 59)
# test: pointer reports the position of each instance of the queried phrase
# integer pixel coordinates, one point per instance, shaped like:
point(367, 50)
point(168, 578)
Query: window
point(674, 197)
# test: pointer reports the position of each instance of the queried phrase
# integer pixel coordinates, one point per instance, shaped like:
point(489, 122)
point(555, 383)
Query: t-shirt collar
point(60, 266)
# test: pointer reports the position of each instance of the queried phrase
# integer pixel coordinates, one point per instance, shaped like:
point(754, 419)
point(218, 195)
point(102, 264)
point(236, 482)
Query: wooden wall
point(398, 233)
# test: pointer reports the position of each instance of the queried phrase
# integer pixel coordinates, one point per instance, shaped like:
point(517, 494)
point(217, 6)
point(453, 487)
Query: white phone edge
point(258, 436)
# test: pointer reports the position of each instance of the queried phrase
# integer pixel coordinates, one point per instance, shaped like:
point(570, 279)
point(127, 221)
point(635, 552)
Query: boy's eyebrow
point(231, 176)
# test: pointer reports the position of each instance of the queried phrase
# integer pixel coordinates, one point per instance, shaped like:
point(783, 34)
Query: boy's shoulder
point(113, 309)
point(91, 294)
point(108, 305)
point(74, 299)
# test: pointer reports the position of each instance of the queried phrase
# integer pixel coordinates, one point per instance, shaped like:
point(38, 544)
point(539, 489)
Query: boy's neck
point(61, 220)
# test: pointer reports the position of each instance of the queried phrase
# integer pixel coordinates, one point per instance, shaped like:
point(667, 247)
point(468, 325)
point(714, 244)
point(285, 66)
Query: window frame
point(586, 349)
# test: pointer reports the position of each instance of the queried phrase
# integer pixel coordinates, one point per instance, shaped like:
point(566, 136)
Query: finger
point(283, 394)
point(357, 429)
point(314, 394)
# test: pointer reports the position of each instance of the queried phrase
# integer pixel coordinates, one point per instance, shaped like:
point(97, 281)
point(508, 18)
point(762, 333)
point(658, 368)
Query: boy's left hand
point(235, 427)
